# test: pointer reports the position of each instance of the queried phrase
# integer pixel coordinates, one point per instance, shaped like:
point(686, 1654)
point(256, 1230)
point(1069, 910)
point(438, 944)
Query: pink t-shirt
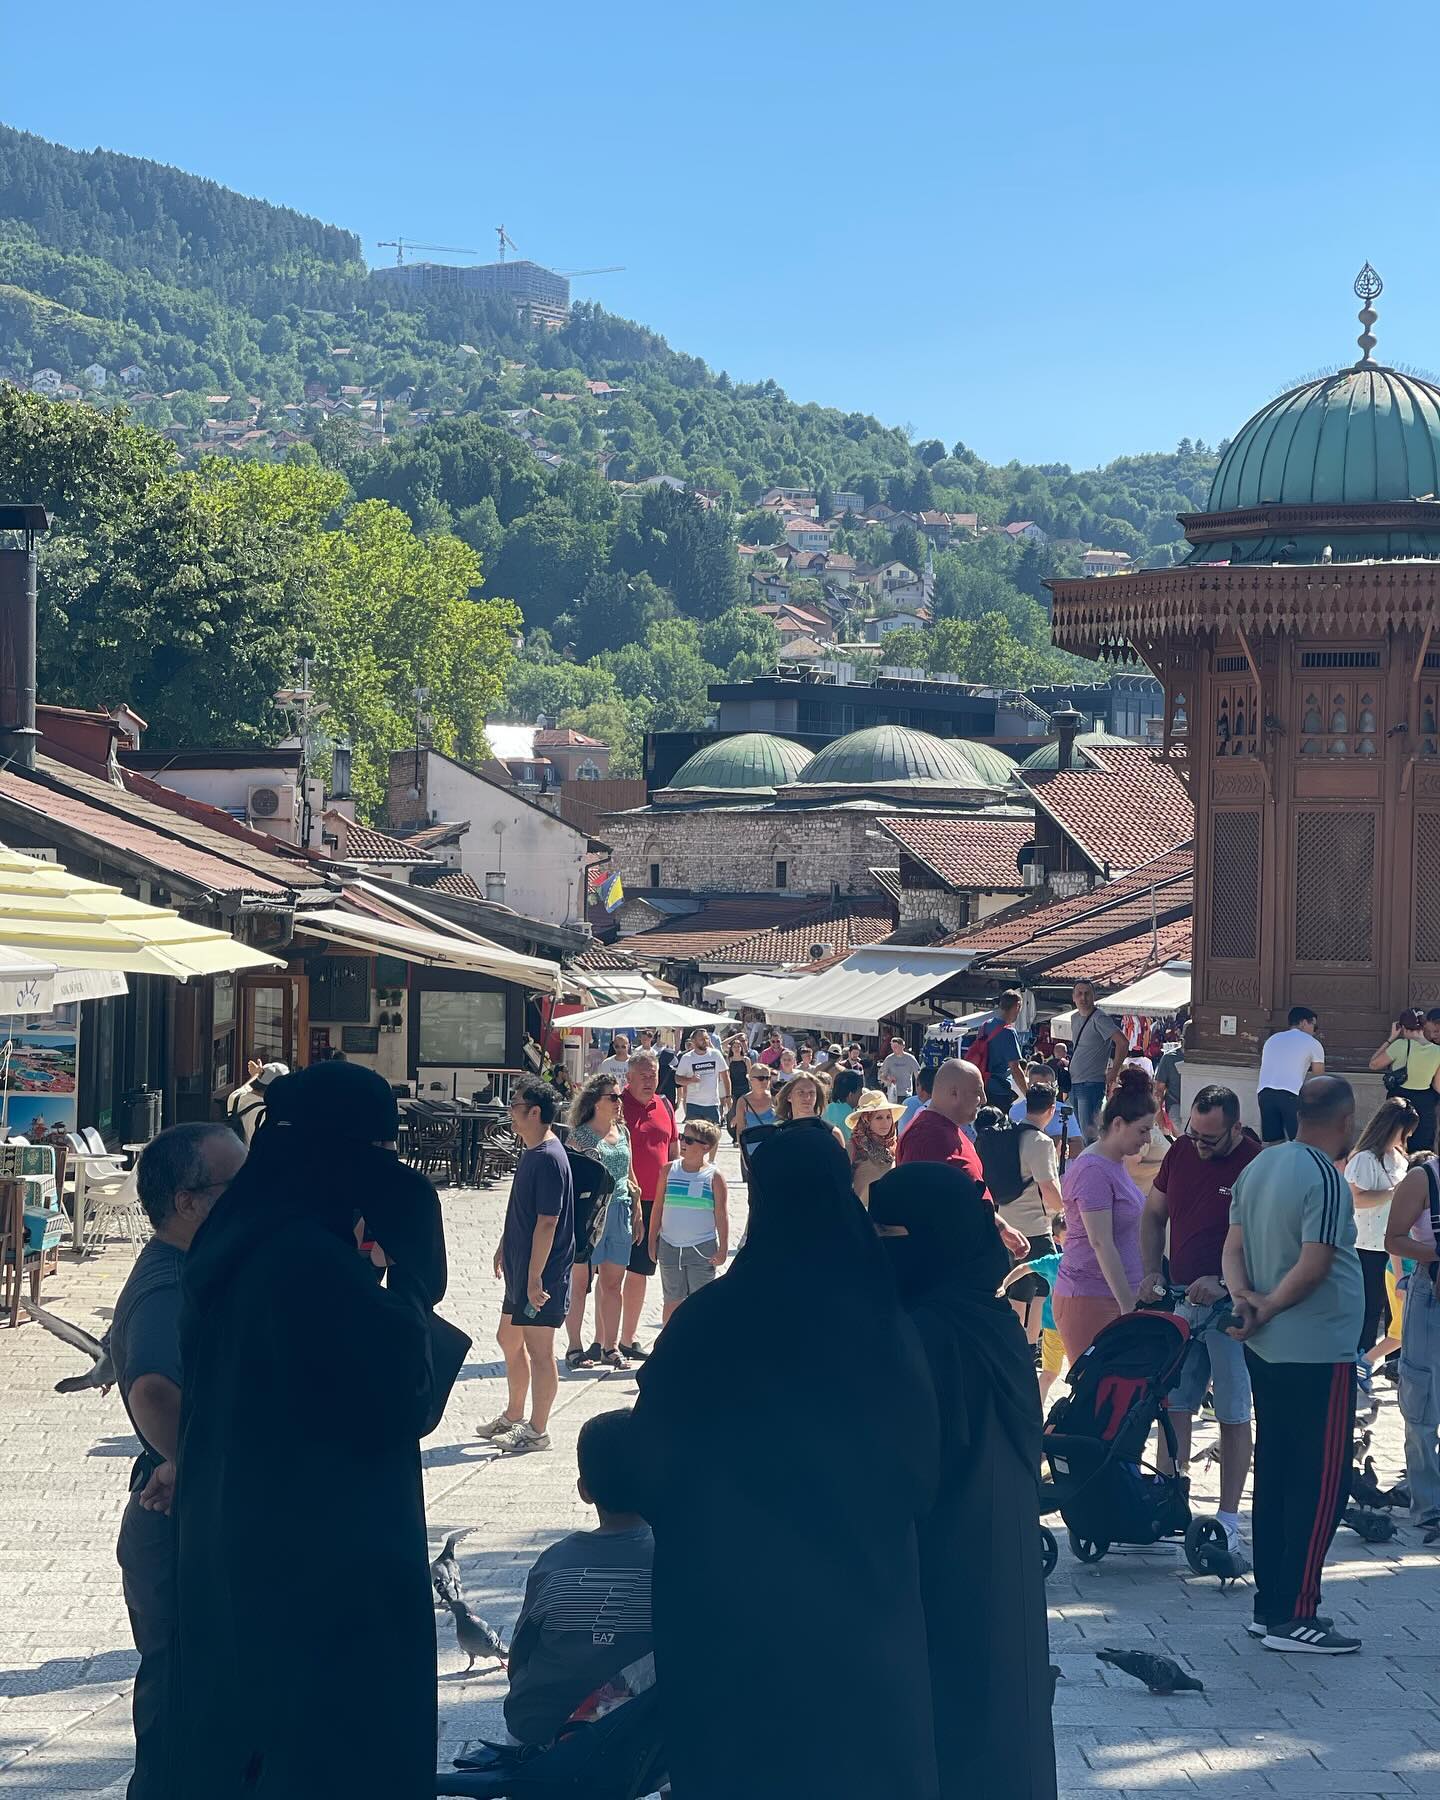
point(1093, 1183)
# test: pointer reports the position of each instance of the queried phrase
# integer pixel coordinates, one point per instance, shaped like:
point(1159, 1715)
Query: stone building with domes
point(1301, 672)
point(759, 814)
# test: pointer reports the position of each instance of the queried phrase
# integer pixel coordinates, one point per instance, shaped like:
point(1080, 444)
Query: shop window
point(340, 990)
point(463, 1028)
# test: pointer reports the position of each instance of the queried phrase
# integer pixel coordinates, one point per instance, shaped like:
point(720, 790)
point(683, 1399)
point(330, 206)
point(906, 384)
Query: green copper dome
point(754, 761)
point(1366, 436)
point(996, 767)
point(894, 756)
point(1047, 756)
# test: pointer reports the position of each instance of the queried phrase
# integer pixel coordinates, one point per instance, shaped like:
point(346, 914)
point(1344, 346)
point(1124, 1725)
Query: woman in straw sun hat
point(873, 1128)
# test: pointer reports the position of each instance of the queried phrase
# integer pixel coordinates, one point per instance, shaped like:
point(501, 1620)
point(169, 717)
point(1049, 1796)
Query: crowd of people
point(975, 1225)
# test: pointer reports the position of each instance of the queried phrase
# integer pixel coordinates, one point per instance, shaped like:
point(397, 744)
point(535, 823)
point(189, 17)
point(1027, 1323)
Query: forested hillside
point(234, 326)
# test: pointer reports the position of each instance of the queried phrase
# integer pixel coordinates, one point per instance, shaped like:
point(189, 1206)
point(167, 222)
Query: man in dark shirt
point(182, 1173)
point(586, 1613)
point(1005, 1069)
point(534, 1259)
point(1191, 1194)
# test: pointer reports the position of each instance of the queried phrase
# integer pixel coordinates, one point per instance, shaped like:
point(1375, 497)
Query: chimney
point(17, 635)
point(1066, 724)
point(495, 886)
point(340, 759)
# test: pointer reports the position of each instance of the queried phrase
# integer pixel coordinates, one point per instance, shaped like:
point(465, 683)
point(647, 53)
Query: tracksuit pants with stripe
point(1304, 1432)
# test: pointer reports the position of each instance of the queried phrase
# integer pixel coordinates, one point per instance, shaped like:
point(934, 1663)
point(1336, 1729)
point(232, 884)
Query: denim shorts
point(685, 1269)
point(1212, 1360)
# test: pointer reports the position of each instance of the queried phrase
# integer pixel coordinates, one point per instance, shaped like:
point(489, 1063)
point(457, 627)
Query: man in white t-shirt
point(899, 1069)
point(618, 1061)
point(703, 1078)
point(1287, 1061)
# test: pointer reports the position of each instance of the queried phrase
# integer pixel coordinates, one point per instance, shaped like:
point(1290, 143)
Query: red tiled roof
point(567, 739)
point(1022, 924)
point(860, 922)
point(1123, 812)
point(197, 867)
point(361, 843)
point(457, 882)
point(1119, 963)
point(604, 956)
point(715, 924)
point(966, 851)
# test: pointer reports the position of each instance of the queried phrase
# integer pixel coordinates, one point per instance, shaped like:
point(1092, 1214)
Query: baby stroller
point(1096, 1437)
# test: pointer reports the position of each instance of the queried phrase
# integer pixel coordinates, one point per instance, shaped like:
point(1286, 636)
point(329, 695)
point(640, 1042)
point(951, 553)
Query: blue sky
point(1061, 232)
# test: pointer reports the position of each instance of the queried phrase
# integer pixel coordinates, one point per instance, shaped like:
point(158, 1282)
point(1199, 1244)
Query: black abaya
point(980, 1565)
point(783, 1492)
point(306, 1638)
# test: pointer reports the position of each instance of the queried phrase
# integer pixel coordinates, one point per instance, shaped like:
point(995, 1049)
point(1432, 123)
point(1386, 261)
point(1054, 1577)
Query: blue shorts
point(1214, 1360)
point(616, 1239)
point(1088, 1099)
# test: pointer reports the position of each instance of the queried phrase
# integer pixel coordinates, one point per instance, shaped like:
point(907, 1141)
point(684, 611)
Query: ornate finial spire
point(1368, 287)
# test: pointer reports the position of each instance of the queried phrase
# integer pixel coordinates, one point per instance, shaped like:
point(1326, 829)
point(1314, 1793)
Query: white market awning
point(642, 1015)
point(478, 956)
point(758, 992)
point(1161, 991)
point(619, 984)
point(870, 985)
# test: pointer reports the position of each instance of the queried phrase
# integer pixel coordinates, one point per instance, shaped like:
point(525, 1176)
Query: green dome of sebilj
point(753, 761)
point(895, 756)
point(1366, 436)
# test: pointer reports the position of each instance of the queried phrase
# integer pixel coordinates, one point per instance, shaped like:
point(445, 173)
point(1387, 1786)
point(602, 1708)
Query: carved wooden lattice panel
point(1340, 718)
point(1234, 884)
point(1334, 876)
point(1237, 721)
point(1425, 885)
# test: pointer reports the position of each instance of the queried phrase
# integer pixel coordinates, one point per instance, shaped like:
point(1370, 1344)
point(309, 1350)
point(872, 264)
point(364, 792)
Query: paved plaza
point(1265, 1724)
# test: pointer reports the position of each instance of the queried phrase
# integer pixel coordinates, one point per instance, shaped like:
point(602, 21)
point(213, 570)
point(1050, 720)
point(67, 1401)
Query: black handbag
point(1393, 1080)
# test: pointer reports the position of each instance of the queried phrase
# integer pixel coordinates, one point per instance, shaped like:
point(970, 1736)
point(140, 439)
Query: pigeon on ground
point(1159, 1673)
point(476, 1638)
point(1375, 1527)
point(1210, 1454)
point(445, 1571)
point(102, 1373)
point(1056, 1674)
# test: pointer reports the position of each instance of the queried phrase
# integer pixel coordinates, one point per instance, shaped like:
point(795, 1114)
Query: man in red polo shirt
point(1191, 1194)
point(654, 1145)
point(934, 1135)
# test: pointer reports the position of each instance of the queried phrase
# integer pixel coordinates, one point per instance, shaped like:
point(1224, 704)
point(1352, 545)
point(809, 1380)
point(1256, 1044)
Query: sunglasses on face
point(698, 1142)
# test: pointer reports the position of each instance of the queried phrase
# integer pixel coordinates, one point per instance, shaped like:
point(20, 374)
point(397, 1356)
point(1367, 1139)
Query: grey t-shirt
point(1290, 1196)
point(585, 1617)
point(1090, 1047)
point(900, 1069)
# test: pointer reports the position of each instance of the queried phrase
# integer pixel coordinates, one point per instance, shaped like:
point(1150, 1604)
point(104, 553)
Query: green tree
point(740, 637)
point(538, 685)
point(616, 609)
point(617, 724)
point(545, 561)
point(668, 671)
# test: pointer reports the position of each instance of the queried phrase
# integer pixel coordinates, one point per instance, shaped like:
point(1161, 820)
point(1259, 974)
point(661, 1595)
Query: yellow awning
point(47, 911)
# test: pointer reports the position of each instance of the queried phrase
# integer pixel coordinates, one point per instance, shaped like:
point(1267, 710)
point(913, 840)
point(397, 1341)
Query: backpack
point(978, 1051)
point(999, 1147)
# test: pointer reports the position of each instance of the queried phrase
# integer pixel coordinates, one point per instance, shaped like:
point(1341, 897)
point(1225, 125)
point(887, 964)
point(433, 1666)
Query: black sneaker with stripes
point(1309, 1637)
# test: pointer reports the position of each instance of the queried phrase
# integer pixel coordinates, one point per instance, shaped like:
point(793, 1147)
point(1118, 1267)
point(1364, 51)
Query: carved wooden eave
point(1105, 618)
point(1335, 520)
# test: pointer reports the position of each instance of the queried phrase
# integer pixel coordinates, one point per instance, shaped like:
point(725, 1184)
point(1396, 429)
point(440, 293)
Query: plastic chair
point(107, 1202)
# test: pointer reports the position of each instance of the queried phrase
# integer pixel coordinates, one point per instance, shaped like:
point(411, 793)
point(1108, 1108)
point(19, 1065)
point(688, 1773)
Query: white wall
point(543, 859)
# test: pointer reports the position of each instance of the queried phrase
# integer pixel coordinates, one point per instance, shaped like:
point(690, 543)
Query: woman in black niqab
point(980, 1564)
point(306, 1640)
point(786, 1443)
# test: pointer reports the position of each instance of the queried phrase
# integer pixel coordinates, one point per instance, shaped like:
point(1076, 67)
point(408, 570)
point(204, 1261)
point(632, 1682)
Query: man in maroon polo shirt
point(654, 1145)
point(934, 1135)
point(1191, 1195)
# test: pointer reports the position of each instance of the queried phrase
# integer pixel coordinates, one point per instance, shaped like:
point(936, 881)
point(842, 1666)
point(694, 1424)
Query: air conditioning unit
point(271, 809)
point(1033, 875)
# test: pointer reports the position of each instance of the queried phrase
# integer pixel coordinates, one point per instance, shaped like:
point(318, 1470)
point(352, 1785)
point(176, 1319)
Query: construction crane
point(575, 274)
point(506, 241)
point(401, 245)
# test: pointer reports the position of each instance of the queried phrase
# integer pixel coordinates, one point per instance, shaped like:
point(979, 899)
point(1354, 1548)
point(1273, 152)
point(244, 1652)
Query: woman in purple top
point(1101, 1268)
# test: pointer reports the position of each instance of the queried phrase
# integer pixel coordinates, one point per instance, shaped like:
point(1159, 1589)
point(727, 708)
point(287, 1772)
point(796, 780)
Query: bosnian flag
point(612, 892)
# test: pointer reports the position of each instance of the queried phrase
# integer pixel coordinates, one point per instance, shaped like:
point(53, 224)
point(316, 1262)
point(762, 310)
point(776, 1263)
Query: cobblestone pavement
point(1265, 1724)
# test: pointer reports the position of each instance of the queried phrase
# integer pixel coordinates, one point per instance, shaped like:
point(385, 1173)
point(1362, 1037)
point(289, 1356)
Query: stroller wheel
point(1089, 1550)
point(1208, 1552)
point(1049, 1550)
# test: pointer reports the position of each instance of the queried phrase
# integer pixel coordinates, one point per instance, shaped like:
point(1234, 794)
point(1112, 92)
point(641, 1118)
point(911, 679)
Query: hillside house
point(1105, 562)
point(1025, 531)
point(807, 535)
point(46, 381)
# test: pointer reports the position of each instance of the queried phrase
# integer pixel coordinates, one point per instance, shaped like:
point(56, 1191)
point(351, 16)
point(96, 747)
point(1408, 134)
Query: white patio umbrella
point(649, 1013)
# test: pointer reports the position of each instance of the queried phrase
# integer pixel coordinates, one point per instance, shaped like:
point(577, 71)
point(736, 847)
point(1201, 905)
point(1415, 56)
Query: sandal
point(576, 1359)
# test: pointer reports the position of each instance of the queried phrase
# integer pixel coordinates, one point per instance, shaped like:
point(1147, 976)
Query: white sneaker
point(497, 1427)
point(521, 1438)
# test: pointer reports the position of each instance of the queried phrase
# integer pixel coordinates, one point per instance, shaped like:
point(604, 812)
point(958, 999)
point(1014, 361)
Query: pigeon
point(101, 1375)
point(1210, 1454)
point(1365, 1490)
point(1056, 1674)
point(476, 1638)
point(1159, 1673)
point(1374, 1527)
point(445, 1571)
